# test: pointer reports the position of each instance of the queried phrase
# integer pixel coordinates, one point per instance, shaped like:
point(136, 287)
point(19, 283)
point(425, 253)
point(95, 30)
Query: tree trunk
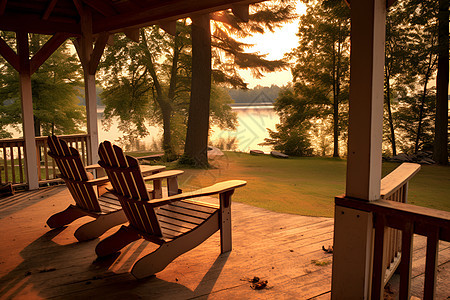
point(196, 147)
point(440, 154)
point(164, 103)
point(37, 127)
point(391, 121)
point(421, 109)
point(336, 99)
point(387, 76)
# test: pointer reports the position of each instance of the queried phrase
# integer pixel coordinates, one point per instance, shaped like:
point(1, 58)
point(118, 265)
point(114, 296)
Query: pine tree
point(321, 70)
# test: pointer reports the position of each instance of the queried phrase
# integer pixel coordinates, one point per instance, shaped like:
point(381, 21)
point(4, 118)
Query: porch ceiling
point(52, 16)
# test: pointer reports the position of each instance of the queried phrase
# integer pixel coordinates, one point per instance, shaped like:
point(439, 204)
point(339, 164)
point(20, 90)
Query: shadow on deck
point(284, 249)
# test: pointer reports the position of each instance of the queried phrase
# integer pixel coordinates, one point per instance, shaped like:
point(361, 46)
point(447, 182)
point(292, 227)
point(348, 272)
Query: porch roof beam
point(9, 55)
point(44, 53)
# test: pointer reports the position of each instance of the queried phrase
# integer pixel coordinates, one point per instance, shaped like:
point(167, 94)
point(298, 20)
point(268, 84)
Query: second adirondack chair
point(90, 195)
point(177, 223)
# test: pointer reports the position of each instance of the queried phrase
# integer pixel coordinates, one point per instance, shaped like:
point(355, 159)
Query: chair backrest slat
point(74, 174)
point(126, 178)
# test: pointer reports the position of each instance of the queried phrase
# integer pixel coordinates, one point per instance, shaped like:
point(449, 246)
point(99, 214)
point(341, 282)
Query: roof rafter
point(161, 12)
point(21, 22)
point(49, 9)
point(2, 6)
point(102, 6)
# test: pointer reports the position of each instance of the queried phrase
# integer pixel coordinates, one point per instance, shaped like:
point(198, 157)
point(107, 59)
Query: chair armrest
point(217, 188)
point(98, 181)
point(95, 167)
point(148, 170)
point(164, 174)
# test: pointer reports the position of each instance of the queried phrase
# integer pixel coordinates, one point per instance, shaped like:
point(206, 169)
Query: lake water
point(253, 122)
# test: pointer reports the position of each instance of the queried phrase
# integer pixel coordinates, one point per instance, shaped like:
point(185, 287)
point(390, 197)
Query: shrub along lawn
point(307, 185)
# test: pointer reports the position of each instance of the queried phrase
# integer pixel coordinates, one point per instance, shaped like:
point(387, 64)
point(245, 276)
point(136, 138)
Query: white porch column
point(85, 50)
point(31, 162)
point(91, 114)
point(353, 229)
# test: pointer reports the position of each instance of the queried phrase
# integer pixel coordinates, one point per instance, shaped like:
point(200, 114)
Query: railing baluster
point(379, 258)
point(83, 150)
point(5, 163)
point(11, 151)
point(405, 264)
point(46, 161)
point(38, 159)
point(13, 169)
point(19, 154)
point(431, 263)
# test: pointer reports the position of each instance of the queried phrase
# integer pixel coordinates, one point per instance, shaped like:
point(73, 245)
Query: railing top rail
point(400, 213)
point(38, 138)
point(397, 178)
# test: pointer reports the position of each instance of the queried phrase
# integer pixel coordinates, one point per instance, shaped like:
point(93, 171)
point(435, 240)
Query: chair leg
point(225, 222)
point(65, 217)
point(159, 259)
point(100, 225)
point(117, 241)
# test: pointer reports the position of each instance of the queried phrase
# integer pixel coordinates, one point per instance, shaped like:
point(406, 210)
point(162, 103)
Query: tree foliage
point(410, 67)
point(56, 106)
point(295, 113)
point(148, 83)
point(321, 63)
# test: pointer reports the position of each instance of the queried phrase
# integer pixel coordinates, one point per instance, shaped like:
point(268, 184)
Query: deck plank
point(287, 251)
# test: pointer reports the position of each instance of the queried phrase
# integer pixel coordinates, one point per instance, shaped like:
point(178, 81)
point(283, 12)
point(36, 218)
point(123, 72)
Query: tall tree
point(321, 70)
point(398, 74)
point(149, 81)
point(195, 151)
point(413, 65)
point(138, 74)
point(441, 121)
point(56, 99)
point(229, 55)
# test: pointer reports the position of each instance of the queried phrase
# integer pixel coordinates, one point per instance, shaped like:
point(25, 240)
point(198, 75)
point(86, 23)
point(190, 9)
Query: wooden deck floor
point(284, 249)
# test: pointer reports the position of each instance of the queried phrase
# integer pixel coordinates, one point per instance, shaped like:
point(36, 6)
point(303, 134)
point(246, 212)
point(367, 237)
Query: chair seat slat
point(194, 206)
point(185, 211)
point(180, 217)
point(176, 222)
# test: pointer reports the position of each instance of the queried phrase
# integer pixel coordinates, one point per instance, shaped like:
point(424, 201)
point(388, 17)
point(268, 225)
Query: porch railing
point(394, 187)
point(12, 162)
point(408, 220)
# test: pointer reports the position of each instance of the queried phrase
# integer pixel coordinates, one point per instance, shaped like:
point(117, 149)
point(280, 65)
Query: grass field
point(307, 186)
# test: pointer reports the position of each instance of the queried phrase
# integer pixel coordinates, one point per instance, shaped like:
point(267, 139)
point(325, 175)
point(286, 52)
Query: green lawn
point(307, 186)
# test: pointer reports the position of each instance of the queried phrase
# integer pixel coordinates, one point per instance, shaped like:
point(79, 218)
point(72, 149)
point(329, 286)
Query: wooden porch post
point(31, 162)
point(89, 86)
point(90, 57)
point(353, 229)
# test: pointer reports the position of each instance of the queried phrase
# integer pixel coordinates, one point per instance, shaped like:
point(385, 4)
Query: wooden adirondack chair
point(177, 223)
point(90, 195)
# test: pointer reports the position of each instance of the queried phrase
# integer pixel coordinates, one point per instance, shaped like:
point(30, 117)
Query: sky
point(275, 45)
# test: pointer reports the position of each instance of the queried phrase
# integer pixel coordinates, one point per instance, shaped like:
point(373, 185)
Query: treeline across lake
point(315, 106)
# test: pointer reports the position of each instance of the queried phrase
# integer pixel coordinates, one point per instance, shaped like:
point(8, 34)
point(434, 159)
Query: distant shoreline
point(252, 105)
